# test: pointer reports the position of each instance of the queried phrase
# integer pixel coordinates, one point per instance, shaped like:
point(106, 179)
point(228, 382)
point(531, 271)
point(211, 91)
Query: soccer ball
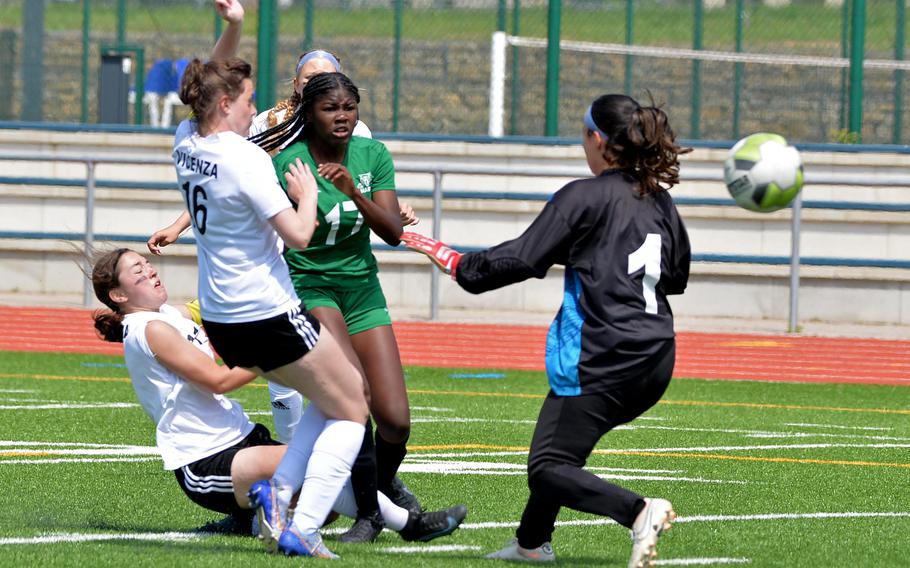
point(763, 173)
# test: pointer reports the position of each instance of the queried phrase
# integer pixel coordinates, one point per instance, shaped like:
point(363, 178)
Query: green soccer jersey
point(339, 252)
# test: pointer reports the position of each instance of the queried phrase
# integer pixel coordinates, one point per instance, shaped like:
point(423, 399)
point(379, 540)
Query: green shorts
point(362, 308)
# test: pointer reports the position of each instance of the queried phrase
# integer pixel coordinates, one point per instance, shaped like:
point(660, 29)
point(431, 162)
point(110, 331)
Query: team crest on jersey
point(198, 336)
point(365, 182)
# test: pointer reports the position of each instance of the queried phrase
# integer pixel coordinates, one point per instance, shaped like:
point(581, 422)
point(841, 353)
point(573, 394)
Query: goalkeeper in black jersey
point(611, 348)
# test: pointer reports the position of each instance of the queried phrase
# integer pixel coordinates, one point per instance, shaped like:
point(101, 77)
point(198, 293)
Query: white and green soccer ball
point(763, 173)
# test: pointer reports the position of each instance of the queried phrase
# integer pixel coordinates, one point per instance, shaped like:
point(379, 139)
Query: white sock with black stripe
point(287, 408)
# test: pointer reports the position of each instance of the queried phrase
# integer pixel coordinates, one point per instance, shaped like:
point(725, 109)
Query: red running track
point(699, 355)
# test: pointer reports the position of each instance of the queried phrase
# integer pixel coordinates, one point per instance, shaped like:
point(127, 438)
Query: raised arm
point(168, 235)
point(232, 12)
point(544, 243)
point(178, 355)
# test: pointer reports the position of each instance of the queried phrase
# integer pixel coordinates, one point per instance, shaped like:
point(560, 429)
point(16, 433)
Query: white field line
point(70, 444)
point(422, 455)
point(77, 460)
point(18, 391)
point(499, 468)
point(432, 548)
point(135, 451)
point(700, 561)
point(836, 426)
point(707, 519)
point(829, 435)
point(791, 516)
point(684, 479)
point(413, 464)
point(738, 448)
point(69, 406)
point(44, 400)
point(419, 420)
point(763, 433)
point(632, 427)
point(437, 419)
point(432, 409)
point(81, 537)
point(679, 449)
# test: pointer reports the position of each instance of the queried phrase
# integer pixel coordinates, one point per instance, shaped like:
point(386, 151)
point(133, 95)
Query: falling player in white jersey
point(206, 439)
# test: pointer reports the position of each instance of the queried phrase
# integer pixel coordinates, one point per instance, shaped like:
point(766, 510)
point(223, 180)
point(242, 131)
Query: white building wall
point(838, 294)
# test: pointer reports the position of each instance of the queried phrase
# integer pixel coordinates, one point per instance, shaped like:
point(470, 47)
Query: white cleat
point(543, 553)
point(657, 517)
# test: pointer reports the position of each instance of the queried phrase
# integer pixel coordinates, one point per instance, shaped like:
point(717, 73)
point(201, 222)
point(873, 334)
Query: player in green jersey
point(337, 276)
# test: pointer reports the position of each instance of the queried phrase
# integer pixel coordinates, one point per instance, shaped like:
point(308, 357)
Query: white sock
point(291, 471)
point(395, 517)
point(345, 505)
point(287, 406)
point(328, 470)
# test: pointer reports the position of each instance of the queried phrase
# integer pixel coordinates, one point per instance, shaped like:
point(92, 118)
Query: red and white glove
point(442, 256)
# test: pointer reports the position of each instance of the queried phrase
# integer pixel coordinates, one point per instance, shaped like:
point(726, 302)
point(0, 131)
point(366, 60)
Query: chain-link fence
point(721, 68)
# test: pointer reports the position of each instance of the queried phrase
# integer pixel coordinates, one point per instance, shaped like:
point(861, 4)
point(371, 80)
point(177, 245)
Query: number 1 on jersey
point(648, 257)
point(334, 219)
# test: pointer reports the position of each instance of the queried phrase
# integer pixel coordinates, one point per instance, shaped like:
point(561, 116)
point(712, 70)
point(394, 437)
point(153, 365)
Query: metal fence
point(439, 171)
point(424, 65)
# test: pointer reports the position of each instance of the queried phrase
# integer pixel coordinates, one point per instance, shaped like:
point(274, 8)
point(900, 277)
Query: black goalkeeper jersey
point(623, 253)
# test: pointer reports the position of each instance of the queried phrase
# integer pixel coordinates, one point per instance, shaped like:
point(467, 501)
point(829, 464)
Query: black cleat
point(364, 530)
point(434, 524)
point(399, 494)
point(241, 525)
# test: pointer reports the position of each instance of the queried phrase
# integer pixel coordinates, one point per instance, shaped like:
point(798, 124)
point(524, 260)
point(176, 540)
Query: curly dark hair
point(317, 87)
point(640, 141)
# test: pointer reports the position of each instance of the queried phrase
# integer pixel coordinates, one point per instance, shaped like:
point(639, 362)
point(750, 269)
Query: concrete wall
point(837, 294)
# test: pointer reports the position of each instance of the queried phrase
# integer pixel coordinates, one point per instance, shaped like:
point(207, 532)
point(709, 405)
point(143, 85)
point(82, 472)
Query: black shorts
point(208, 483)
point(267, 344)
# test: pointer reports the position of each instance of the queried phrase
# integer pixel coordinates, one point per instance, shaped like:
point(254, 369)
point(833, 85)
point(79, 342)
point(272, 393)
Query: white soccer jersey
point(191, 422)
point(231, 191)
point(261, 124)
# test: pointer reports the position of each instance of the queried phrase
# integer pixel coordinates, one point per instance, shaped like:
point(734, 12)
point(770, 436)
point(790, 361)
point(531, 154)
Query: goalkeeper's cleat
point(263, 497)
point(425, 527)
point(365, 529)
point(293, 543)
point(399, 494)
point(657, 517)
point(512, 551)
point(445, 258)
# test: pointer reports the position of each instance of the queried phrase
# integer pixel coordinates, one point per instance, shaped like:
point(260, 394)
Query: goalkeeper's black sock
point(388, 459)
point(363, 476)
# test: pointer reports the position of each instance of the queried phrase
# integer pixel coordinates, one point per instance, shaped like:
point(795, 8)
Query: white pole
point(796, 214)
point(497, 83)
point(88, 245)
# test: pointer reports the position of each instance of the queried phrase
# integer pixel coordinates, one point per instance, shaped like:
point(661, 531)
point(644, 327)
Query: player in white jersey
point(241, 218)
point(309, 64)
point(206, 439)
